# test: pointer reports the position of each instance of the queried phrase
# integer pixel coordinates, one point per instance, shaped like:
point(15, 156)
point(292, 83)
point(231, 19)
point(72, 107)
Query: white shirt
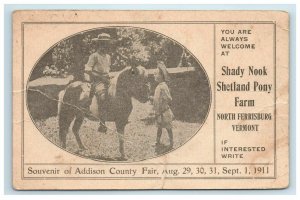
point(99, 62)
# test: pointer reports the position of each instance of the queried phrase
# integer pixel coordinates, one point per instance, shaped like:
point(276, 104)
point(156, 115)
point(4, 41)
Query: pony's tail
point(60, 102)
point(68, 97)
point(65, 114)
point(63, 128)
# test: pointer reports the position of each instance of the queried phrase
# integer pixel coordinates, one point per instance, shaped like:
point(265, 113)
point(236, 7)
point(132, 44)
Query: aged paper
point(150, 100)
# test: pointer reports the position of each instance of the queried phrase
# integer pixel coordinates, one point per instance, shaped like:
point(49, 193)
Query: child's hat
point(102, 37)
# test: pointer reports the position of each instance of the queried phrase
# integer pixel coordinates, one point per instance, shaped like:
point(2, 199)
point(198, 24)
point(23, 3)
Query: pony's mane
point(113, 83)
point(116, 80)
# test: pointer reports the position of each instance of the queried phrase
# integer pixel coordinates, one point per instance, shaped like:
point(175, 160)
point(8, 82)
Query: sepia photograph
point(118, 93)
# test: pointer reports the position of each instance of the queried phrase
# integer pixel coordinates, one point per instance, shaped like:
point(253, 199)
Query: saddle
point(99, 83)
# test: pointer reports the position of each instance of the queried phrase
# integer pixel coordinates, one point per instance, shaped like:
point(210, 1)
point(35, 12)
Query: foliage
point(130, 46)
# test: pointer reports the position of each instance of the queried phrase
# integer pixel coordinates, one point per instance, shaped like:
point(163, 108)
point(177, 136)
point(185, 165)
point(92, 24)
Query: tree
point(129, 45)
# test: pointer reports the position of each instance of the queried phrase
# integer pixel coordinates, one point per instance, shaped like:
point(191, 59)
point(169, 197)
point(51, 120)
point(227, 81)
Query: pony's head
point(133, 81)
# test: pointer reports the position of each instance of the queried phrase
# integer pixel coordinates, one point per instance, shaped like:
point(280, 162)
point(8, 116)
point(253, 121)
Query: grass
point(140, 136)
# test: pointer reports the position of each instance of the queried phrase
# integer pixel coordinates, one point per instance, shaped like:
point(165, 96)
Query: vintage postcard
point(150, 100)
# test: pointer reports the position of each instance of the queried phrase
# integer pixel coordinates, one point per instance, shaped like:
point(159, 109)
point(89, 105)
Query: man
point(98, 67)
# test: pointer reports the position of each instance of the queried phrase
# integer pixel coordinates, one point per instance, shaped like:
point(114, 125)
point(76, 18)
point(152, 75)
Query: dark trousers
point(100, 84)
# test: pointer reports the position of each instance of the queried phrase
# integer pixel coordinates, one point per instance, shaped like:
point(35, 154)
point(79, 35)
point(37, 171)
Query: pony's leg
point(120, 130)
point(102, 111)
point(77, 124)
point(158, 135)
point(62, 137)
point(65, 118)
point(170, 133)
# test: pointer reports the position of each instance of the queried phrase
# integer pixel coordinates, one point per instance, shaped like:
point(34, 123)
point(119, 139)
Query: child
point(161, 100)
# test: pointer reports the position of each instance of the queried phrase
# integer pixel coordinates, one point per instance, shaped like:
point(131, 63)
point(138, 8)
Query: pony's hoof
point(156, 144)
point(170, 147)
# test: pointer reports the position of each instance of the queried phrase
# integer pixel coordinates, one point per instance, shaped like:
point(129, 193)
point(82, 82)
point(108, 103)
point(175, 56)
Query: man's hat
point(102, 37)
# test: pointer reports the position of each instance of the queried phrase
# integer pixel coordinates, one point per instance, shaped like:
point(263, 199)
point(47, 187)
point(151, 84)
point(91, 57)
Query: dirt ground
point(140, 136)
